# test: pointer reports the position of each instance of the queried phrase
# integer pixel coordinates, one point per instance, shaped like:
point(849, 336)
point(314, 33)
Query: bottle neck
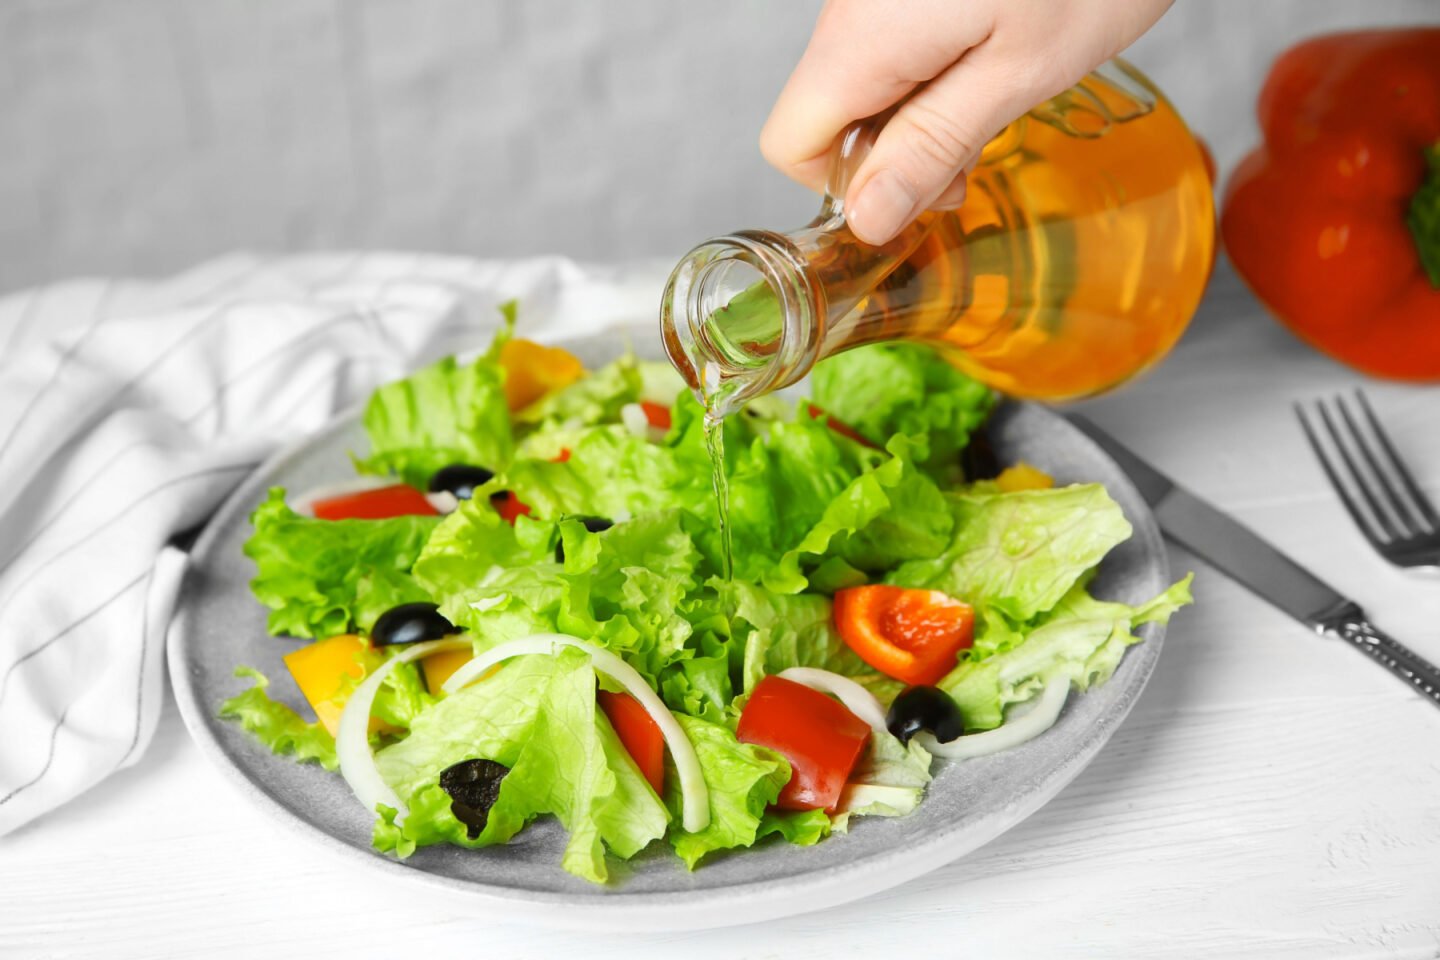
point(742, 315)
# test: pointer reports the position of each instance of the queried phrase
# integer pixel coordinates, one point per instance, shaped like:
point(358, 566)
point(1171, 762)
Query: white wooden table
point(1272, 795)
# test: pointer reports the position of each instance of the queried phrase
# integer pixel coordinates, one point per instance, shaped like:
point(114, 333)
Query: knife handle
point(1352, 627)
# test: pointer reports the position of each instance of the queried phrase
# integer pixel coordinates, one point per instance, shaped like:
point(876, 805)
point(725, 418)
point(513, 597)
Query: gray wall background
point(140, 136)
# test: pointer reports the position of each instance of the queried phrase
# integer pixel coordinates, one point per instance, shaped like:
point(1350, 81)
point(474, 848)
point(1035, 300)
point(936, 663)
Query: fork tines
point(1373, 482)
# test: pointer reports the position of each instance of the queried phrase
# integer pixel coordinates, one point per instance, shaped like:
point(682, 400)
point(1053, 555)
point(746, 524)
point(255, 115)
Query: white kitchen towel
point(129, 410)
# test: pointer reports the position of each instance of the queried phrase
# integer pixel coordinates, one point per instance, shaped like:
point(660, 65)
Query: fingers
point(862, 58)
point(917, 160)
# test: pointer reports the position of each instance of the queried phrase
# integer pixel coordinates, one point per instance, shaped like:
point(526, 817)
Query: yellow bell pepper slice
point(321, 671)
point(533, 370)
point(1022, 476)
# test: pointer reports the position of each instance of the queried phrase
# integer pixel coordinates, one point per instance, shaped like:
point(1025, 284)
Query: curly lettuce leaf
point(1020, 553)
point(888, 781)
point(888, 389)
point(555, 421)
point(773, 632)
point(631, 588)
point(742, 779)
point(538, 717)
point(1082, 638)
point(276, 726)
point(445, 413)
point(324, 577)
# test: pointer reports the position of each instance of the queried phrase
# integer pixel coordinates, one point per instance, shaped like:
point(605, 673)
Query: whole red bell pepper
point(1334, 221)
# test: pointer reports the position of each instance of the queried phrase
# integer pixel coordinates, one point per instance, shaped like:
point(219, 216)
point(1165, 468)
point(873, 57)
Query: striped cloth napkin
point(128, 410)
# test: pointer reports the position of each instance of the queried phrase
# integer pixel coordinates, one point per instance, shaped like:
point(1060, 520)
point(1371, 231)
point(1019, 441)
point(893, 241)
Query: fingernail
point(951, 199)
point(885, 204)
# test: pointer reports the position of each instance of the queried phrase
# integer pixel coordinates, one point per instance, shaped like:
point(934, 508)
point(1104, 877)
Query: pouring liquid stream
point(715, 446)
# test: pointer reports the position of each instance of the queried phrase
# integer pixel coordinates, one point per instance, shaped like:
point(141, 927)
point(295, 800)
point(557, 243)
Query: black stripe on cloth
point(165, 354)
point(27, 316)
point(98, 317)
point(85, 485)
point(174, 481)
point(139, 674)
point(55, 731)
point(209, 318)
point(49, 759)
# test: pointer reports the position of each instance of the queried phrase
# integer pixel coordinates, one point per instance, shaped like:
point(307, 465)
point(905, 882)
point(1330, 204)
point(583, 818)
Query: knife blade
point(1239, 552)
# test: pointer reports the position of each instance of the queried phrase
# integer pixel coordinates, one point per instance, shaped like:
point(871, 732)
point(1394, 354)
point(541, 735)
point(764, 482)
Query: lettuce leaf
point(772, 632)
point(888, 389)
point(1020, 553)
point(632, 588)
point(538, 717)
point(445, 413)
point(743, 780)
point(277, 726)
point(324, 577)
point(1082, 638)
point(888, 781)
point(557, 420)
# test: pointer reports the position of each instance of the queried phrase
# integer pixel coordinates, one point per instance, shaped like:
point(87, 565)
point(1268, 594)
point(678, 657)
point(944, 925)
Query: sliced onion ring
point(694, 793)
point(1015, 731)
point(632, 415)
point(352, 741)
point(856, 698)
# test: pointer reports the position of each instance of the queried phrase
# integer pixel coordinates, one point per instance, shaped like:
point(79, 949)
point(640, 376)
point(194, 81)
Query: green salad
point(517, 609)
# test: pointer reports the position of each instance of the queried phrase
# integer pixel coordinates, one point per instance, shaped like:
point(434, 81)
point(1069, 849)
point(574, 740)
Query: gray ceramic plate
point(220, 625)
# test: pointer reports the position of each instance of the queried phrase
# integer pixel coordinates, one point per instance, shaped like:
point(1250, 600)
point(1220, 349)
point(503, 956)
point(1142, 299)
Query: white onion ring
point(632, 415)
point(856, 698)
point(694, 793)
point(1016, 730)
point(443, 501)
point(352, 739)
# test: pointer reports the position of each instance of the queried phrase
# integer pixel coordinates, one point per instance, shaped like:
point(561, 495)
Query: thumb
point(926, 146)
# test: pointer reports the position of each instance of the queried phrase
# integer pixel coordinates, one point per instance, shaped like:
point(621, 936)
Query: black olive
point(978, 460)
point(593, 524)
point(925, 708)
point(410, 623)
point(474, 786)
point(460, 480)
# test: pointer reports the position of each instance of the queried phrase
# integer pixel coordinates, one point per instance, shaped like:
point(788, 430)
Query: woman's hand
point(960, 70)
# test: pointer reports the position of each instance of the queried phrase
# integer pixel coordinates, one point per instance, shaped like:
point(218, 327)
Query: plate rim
point(611, 908)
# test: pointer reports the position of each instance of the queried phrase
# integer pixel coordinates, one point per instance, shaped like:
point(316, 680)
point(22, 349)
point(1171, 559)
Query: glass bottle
point(1080, 254)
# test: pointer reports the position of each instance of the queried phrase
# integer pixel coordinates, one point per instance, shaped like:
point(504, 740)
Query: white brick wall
point(143, 135)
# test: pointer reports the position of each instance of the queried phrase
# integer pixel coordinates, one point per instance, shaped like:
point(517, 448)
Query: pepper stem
point(1424, 217)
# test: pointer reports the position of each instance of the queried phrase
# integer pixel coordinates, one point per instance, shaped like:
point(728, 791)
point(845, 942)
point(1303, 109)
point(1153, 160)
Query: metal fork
point(1377, 489)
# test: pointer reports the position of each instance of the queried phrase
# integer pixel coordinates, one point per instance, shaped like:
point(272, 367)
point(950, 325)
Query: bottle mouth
point(739, 318)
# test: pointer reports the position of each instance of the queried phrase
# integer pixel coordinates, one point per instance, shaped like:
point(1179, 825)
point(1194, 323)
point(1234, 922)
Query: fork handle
point(1390, 653)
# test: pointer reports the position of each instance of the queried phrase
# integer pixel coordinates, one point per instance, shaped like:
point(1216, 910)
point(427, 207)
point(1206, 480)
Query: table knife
point(1241, 554)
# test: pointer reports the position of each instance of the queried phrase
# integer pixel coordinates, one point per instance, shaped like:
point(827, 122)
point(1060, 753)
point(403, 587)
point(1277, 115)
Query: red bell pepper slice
point(820, 738)
point(639, 734)
point(839, 426)
point(656, 415)
point(509, 506)
point(911, 635)
point(399, 500)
